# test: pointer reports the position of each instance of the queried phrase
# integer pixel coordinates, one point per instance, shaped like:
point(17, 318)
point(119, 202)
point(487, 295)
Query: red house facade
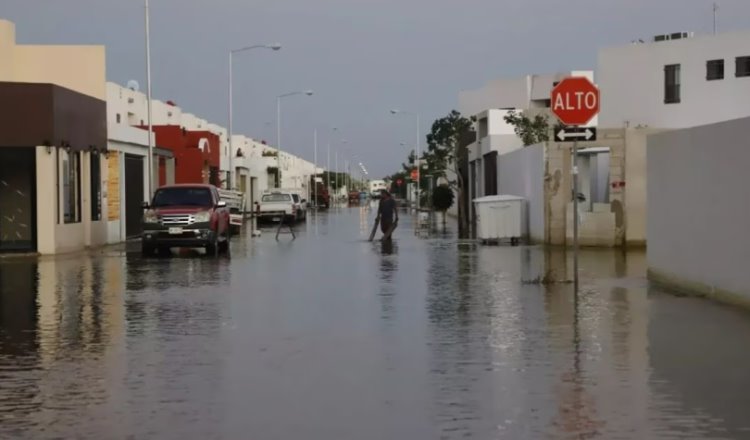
point(196, 154)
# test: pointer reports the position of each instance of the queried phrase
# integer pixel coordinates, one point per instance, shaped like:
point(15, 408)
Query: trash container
point(499, 218)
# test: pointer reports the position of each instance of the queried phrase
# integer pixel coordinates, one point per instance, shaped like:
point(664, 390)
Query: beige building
point(53, 144)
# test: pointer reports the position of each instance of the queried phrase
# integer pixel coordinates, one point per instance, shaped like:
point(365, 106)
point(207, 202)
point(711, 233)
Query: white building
point(127, 163)
point(680, 83)
point(676, 82)
point(489, 105)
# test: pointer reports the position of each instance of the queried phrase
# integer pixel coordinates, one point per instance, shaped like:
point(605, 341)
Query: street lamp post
point(274, 47)
point(328, 160)
point(419, 170)
point(278, 130)
point(148, 103)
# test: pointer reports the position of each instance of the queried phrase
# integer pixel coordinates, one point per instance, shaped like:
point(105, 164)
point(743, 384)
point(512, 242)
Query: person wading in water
point(387, 212)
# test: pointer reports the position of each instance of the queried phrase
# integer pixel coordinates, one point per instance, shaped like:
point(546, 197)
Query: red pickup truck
point(186, 216)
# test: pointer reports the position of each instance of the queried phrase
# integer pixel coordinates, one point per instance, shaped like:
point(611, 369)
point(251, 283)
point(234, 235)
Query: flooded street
point(332, 337)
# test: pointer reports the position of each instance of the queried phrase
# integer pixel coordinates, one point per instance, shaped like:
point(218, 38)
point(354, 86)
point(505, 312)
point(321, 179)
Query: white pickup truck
point(277, 204)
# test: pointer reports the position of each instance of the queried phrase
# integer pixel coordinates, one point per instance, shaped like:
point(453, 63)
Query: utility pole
point(716, 9)
point(148, 104)
point(575, 214)
point(315, 168)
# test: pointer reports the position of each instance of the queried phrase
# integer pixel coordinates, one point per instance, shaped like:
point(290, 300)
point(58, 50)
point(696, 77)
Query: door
point(133, 195)
point(17, 199)
point(253, 188)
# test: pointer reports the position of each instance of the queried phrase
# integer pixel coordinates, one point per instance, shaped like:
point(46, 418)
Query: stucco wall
point(46, 200)
point(635, 189)
point(47, 64)
point(521, 173)
point(643, 65)
point(698, 209)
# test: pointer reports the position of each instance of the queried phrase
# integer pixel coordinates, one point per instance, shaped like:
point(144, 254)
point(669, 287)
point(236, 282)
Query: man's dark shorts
point(385, 225)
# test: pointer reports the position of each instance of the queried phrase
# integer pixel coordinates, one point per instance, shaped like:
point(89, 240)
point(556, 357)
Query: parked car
point(192, 216)
point(354, 197)
point(277, 205)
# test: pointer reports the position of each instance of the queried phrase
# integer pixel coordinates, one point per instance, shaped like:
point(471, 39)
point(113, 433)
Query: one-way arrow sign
point(568, 134)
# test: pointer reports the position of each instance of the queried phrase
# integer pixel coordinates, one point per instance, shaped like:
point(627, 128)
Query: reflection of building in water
point(460, 308)
point(80, 304)
point(599, 348)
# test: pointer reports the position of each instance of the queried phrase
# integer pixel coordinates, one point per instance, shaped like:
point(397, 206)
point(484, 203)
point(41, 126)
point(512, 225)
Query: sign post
point(575, 102)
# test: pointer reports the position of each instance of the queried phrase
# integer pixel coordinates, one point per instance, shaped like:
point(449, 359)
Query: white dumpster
point(500, 217)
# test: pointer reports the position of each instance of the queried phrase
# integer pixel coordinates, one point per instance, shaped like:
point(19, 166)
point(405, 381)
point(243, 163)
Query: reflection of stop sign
point(575, 101)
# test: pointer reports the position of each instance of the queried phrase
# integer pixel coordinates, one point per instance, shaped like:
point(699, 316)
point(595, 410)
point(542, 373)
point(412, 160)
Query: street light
point(148, 103)
point(416, 115)
point(274, 47)
point(278, 129)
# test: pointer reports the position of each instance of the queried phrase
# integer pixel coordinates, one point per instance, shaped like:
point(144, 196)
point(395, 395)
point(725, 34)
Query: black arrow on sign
point(575, 134)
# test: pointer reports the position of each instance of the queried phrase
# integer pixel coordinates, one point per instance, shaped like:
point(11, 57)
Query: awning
point(32, 115)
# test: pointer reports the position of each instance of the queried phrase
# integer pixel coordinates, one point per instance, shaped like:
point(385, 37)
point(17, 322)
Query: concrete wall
point(635, 189)
point(46, 201)
point(641, 67)
point(47, 64)
point(698, 209)
point(521, 173)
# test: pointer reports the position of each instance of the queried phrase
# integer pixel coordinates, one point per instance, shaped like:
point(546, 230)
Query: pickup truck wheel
point(223, 246)
point(147, 250)
point(212, 248)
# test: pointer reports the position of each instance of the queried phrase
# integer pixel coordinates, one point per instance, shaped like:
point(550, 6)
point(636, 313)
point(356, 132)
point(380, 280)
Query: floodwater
point(331, 337)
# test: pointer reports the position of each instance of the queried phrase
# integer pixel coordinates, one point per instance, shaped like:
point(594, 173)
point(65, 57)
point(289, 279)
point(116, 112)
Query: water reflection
point(414, 338)
point(68, 333)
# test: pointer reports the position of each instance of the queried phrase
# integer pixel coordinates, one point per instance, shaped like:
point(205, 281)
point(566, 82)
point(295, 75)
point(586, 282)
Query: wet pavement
point(332, 337)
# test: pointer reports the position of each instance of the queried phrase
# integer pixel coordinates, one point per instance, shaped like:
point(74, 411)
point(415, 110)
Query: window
point(96, 187)
point(71, 186)
point(743, 66)
point(672, 84)
point(118, 118)
point(490, 174)
point(714, 70)
point(183, 196)
point(276, 197)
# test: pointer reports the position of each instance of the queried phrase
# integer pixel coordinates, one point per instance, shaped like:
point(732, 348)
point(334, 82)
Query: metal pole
point(278, 142)
point(337, 172)
point(575, 214)
point(148, 104)
point(716, 8)
point(229, 129)
point(419, 167)
point(315, 168)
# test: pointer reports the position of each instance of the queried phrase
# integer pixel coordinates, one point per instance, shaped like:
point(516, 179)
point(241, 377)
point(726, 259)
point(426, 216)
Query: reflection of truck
point(375, 187)
point(186, 216)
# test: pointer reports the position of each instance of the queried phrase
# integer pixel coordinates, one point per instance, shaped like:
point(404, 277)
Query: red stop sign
point(399, 182)
point(575, 101)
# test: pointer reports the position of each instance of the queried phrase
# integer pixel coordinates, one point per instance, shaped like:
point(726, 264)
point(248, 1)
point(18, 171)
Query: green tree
point(442, 199)
point(531, 131)
point(447, 145)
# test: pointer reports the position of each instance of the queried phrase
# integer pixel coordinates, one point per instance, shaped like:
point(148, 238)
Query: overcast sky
point(362, 57)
